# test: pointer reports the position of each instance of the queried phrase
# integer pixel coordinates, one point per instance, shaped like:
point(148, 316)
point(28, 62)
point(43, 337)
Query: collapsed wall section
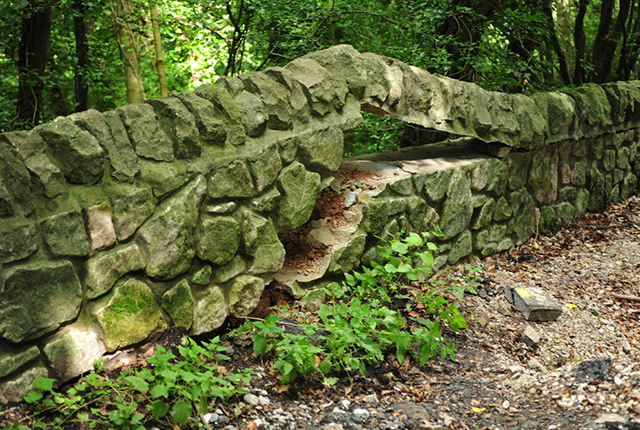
point(116, 225)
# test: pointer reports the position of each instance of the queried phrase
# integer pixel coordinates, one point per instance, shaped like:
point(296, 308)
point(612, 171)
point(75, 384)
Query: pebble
point(251, 399)
point(361, 414)
point(346, 403)
point(371, 399)
point(506, 404)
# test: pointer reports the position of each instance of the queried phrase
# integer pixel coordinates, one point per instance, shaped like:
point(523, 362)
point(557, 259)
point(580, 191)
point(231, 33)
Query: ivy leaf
point(159, 390)
point(400, 248)
point(159, 409)
point(259, 344)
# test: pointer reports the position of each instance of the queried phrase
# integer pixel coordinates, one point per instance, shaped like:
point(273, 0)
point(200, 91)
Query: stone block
point(253, 114)
point(210, 127)
point(128, 315)
point(106, 268)
point(179, 124)
point(457, 208)
point(131, 207)
point(164, 178)
point(143, 127)
point(217, 239)
point(111, 134)
point(299, 189)
point(167, 237)
point(321, 150)
point(533, 303)
point(66, 235)
point(244, 295)
point(18, 240)
point(76, 152)
point(72, 353)
point(17, 387)
point(31, 147)
point(210, 311)
point(543, 175)
point(16, 180)
point(54, 297)
point(101, 229)
point(231, 181)
point(178, 303)
point(230, 270)
point(222, 100)
point(13, 358)
point(265, 167)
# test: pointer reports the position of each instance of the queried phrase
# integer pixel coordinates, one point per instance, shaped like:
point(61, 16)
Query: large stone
point(222, 100)
point(461, 247)
point(149, 141)
point(16, 388)
point(164, 178)
point(128, 315)
point(73, 352)
point(18, 240)
point(324, 91)
point(254, 117)
point(36, 298)
point(6, 205)
point(434, 184)
point(543, 176)
point(346, 257)
point(299, 189)
point(534, 303)
point(76, 152)
point(210, 311)
point(31, 147)
point(16, 179)
point(265, 167)
point(131, 207)
point(244, 295)
point(217, 239)
point(345, 61)
point(179, 124)
point(322, 150)
point(457, 208)
point(559, 109)
point(13, 358)
point(178, 303)
point(167, 236)
point(65, 234)
point(122, 156)
point(233, 180)
point(230, 270)
point(106, 268)
point(110, 132)
point(260, 240)
point(275, 97)
point(375, 215)
point(101, 230)
point(209, 125)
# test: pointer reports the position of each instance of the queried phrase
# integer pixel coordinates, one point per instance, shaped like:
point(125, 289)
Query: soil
point(583, 372)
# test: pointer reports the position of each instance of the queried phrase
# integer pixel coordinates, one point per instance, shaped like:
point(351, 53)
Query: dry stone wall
point(117, 225)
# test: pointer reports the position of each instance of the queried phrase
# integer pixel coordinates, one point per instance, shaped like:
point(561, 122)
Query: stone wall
point(117, 225)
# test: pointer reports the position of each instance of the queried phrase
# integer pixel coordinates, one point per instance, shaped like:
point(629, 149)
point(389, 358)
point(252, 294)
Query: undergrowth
point(358, 324)
point(389, 308)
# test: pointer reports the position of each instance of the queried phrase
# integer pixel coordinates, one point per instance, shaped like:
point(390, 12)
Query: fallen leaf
point(570, 305)
point(478, 410)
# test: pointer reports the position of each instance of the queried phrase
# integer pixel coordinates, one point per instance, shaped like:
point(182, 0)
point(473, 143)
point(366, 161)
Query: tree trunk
point(555, 42)
point(157, 39)
point(123, 11)
point(631, 44)
point(580, 42)
point(602, 42)
point(33, 53)
point(82, 54)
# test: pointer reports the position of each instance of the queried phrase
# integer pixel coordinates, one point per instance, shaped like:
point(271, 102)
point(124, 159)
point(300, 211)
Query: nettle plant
point(361, 320)
point(170, 390)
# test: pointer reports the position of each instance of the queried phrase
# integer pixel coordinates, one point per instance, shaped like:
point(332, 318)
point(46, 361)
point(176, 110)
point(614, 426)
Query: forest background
point(62, 56)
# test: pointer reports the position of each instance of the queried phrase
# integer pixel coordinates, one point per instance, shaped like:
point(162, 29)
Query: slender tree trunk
point(82, 54)
point(33, 53)
point(580, 42)
point(555, 42)
point(157, 39)
point(630, 49)
point(601, 43)
point(123, 11)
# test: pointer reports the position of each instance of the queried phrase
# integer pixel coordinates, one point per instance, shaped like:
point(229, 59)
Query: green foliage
point(173, 390)
point(359, 324)
point(376, 134)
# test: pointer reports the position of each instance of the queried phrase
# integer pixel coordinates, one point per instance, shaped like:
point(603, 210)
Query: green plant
point(358, 325)
point(168, 391)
